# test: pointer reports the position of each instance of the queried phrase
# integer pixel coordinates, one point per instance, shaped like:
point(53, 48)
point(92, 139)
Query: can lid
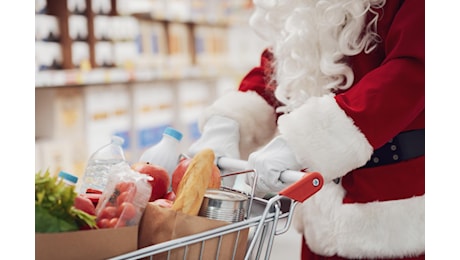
point(224, 195)
point(67, 176)
point(174, 133)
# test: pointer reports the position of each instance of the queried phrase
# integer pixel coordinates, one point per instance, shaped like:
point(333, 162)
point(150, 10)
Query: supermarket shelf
point(64, 78)
point(223, 22)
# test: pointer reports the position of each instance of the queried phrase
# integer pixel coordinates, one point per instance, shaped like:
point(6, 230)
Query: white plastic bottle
point(166, 152)
point(99, 164)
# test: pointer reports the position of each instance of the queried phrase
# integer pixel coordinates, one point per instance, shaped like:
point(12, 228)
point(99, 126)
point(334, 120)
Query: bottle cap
point(174, 133)
point(117, 139)
point(68, 177)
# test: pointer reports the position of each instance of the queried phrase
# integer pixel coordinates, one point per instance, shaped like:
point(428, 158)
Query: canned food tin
point(224, 205)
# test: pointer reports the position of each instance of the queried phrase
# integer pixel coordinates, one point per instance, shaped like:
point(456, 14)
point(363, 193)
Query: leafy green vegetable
point(54, 210)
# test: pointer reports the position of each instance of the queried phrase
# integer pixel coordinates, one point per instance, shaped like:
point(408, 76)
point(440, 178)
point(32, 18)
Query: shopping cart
point(262, 219)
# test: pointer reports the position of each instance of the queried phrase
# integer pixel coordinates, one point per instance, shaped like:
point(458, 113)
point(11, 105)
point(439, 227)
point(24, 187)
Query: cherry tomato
point(125, 196)
point(126, 211)
point(103, 223)
point(108, 212)
point(126, 186)
point(116, 222)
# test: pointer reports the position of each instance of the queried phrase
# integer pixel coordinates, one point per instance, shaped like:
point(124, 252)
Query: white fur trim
point(361, 230)
point(324, 138)
point(256, 118)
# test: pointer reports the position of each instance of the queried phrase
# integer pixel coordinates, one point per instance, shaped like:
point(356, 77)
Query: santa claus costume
point(343, 83)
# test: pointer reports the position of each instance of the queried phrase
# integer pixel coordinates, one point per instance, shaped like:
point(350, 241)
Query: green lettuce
point(54, 210)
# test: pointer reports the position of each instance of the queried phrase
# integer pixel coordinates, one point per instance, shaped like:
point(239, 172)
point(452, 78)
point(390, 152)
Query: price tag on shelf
point(107, 76)
point(85, 65)
point(79, 78)
point(131, 75)
point(70, 77)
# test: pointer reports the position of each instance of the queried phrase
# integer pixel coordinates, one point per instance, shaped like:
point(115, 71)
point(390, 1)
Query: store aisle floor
point(287, 246)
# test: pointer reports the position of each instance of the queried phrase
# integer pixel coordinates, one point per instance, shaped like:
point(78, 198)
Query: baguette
point(194, 183)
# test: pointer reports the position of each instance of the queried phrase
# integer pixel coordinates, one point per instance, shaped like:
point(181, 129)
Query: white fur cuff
point(380, 229)
point(324, 138)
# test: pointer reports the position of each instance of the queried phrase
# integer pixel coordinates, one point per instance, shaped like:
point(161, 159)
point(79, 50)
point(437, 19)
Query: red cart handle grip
point(303, 188)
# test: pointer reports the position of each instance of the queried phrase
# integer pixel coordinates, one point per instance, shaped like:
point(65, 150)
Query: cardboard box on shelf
point(68, 112)
point(154, 46)
point(179, 45)
point(203, 38)
point(210, 45)
point(86, 244)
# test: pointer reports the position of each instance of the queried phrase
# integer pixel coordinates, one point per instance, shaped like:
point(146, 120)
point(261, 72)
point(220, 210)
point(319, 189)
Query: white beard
point(310, 39)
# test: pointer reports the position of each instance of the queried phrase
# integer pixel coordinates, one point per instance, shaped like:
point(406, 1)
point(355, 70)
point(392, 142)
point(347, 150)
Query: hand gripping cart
point(261, 220)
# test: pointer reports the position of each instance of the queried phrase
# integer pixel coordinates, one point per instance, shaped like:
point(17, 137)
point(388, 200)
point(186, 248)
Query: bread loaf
point(194, 183)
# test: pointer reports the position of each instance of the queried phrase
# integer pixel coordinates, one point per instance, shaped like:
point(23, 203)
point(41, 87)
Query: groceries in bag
point(124, 199)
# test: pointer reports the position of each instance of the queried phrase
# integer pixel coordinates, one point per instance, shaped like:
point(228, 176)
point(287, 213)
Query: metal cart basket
point(261, 221)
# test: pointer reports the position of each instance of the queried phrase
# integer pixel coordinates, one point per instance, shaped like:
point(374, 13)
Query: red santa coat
point(373, 212)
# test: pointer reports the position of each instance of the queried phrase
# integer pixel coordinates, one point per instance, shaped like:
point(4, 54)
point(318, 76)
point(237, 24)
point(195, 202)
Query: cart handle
point(303, 184)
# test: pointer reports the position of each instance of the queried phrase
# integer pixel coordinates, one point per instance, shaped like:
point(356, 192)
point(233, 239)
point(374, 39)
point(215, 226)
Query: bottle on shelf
point(166, 152)
point(99, 164)
point(68, 178)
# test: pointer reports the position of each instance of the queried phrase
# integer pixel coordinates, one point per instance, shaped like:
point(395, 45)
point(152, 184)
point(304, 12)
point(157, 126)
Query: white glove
point(222, 135)
point(269, 162)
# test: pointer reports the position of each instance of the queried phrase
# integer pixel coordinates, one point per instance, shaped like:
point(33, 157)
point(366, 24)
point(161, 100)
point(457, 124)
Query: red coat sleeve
point(388, 96)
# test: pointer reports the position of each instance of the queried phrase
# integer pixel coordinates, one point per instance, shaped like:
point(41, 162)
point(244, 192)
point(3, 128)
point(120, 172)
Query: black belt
point(404, 146)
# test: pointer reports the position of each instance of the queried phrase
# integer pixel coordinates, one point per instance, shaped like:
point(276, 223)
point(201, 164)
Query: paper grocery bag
point(94, 244)
point(161, 224)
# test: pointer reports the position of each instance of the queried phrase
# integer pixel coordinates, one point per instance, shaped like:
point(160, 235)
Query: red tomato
point(125, 196)
point(108, 212)
point(126, 186)
point(103, 223)
point(159, 183)
point(116, 222)
point(126, 211)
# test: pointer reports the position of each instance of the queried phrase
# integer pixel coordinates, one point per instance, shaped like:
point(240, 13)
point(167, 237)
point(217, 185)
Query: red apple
point(181, 168)
point(160, 182)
